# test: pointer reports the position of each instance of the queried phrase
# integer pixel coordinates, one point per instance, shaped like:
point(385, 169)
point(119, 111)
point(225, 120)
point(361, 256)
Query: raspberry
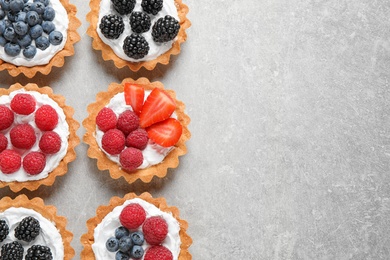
point(137, 139)
point(23, 104)
point(128, 121)
point(155, 230)
point(131, 158)
point(34, 163)
point(23, 136)
point(46, 118)
point(132, 216)
point(3, 142)
point(6, 117)
point(106, 119)
point(113, 141)
point(50, 142)
point(158, 253)
point(10, 161)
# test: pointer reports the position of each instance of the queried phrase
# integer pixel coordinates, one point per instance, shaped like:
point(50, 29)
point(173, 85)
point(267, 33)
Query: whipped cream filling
point(156, 49)
point(153, 153)
point(62, 129)
point(42, 57)
point(49, 235)
point(110, 222)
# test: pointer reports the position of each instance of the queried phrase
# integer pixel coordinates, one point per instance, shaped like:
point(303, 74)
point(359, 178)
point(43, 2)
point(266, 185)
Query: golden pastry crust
point(47, 211)
point(88, 239)
point(73, 140)
point(109, 54)
point(104, 163)
point(58, 59)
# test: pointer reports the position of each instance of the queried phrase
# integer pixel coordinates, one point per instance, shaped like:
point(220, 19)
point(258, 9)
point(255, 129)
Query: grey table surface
point(290, 148)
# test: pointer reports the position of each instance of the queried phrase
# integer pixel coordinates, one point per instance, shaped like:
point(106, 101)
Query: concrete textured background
point(290, 148)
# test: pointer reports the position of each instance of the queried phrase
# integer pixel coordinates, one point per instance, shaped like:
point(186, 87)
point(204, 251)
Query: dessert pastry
point(136, 130)
point(36, 35)
point(29, 230)
point(37, 137)
point(136, 227)
point(138, 33)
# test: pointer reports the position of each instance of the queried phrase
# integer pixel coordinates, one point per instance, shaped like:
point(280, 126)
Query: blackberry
point(135, 46)
point(123, 6)
point(139, 22)
point(112, 26)
point(12, 251)
point(38, 252)
point(4, 230)
point(152, 6)
point(165, 29)
point(28, 229)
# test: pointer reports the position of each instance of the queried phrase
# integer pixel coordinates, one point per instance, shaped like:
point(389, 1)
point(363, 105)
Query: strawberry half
point(134, 96)
point(157, 107)
point(165, 133)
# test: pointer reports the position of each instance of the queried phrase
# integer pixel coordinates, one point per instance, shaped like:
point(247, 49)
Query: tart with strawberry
point(37, 137)
point(136, 130)
point(136, 227)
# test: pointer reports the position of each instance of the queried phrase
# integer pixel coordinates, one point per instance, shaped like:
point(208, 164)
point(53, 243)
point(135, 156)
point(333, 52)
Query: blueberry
point(12, 49)
point(125, 244)
point(48, 26)
point(137, 252)
point(49, 14)
point(5, 4)
point(121, 256)
point(2, 14)
point(121, 231)
point(27, 7)
point(2, 27)
point(11, 16)
point(9, 33)
point(16, 5)
point(137, 238)
point(112, 244)
point(21, 17)
point(3, 41)
point(24, 41)
point(36, 31)
point(42, 42)
point(30, 51)
point(38, 7)
point(32, 18)
point(45, 2)
point(21, 28)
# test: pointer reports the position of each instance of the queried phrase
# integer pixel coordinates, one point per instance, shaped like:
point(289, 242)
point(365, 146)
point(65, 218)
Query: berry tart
point(138, 33)
point(136, 130)
point(30, 230)
point(37, 137)
point(136, 227)
point(36, 35)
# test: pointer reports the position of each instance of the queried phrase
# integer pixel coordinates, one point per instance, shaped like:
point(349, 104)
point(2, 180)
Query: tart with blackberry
point(37, 137)
point(136, 130)
point(136, 227)
point(30, 230)
point(36, 35)
point(138, 33)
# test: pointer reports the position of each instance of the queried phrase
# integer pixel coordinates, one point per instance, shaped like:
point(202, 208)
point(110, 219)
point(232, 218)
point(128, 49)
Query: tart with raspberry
point(36, 35)
point(136, 227)
point(136, 130)
point(138, 33)
point(37, 137)
point(29, 230)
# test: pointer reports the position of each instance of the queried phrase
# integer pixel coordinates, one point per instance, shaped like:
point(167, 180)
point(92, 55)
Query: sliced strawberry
point(165, 133)
point(134, 96)
point(158, 107)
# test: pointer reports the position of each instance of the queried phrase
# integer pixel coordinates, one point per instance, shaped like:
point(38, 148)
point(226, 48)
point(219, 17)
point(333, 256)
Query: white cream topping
point(156, 49)
point(106, 229)
point(42, 57)
point(62, 129)
point(153, 153)
point(49, 235)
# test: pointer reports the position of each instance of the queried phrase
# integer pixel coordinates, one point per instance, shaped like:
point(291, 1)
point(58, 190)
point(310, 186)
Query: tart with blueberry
point(36, 35)
point(138, 33)
point(136, 227)
point(37, 137)
point(31, 230)
point(136, 130)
